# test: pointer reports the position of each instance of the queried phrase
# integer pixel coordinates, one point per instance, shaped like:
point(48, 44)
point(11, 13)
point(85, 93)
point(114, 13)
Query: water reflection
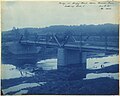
point(21, 69)
point(48, 64)
point(109, 75)
point(22, 86)
point(10, 71)
point(96, 63)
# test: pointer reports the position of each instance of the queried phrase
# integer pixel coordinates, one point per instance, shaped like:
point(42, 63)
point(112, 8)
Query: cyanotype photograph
point(60, 48)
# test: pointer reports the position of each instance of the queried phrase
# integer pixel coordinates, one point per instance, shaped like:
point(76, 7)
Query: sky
point(38, 14)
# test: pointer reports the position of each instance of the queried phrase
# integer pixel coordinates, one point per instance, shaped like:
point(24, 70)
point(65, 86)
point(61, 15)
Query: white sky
point(41, 14)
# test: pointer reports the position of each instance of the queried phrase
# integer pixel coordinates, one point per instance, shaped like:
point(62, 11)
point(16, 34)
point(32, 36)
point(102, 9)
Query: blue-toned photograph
point(60, 48)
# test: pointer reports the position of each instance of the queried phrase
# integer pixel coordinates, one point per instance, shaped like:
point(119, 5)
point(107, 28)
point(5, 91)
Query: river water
point(10, 71)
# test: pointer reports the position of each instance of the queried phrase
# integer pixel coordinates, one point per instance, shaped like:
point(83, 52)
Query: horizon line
point(58, 25)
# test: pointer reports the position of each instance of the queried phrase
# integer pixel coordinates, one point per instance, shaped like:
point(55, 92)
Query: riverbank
point(101, 77)
point(62, 82)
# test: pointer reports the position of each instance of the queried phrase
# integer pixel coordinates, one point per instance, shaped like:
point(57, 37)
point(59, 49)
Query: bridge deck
point(88, 47)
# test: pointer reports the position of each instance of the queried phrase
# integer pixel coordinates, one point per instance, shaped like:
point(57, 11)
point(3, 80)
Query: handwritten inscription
point(101, 5)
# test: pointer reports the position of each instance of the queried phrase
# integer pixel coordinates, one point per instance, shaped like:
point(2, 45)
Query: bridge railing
point(75, 40)
point(96, 40)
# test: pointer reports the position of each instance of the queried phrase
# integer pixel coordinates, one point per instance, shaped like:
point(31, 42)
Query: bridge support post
point(73, 61)
point(84, 59)
point(69, 56)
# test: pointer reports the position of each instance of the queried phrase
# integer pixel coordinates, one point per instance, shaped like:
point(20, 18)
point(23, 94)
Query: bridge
point(73, 49)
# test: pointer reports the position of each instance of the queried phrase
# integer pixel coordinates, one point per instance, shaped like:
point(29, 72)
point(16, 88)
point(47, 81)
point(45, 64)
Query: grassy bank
point(67, 81)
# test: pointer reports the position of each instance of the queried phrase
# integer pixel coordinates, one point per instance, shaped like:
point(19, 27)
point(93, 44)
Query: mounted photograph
point(60, 47)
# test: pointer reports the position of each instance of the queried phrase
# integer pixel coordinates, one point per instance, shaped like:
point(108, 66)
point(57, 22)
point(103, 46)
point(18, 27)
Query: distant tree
point(26, 34)
point(13, 28)
point(36, 36)
point(16, 33)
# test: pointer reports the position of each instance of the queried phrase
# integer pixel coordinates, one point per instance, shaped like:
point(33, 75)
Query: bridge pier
point(69, 56)
point(73, 62)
